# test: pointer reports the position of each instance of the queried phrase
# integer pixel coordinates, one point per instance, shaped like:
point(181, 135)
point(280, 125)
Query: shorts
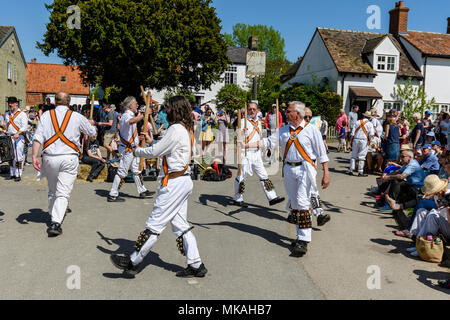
point(108, 138)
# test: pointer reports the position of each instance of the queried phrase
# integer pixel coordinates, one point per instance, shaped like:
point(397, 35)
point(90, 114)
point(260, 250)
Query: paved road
point(245, 250)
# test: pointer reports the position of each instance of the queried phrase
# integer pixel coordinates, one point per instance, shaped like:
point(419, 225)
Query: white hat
point(433, 185)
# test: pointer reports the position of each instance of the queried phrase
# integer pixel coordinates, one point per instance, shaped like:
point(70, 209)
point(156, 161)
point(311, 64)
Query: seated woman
point(93, 157)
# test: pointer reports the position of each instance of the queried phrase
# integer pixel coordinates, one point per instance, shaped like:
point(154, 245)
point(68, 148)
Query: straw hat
point(405, 147)
point(433, 185)
point(367, 114)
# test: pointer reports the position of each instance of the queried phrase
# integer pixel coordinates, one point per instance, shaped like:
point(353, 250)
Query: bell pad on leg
point(179, 241)
point(268, 184)
point(142, 239)
point(241, 189)
point(305, 221)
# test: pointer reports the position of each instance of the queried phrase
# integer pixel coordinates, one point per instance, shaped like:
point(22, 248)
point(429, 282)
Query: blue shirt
point(415, 173)
point(162, 120)
point(430, 163)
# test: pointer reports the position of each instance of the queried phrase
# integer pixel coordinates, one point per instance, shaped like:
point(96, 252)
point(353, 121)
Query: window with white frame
point(15, 74)
point(9, 70)
point(231, 75)
point(386, 63)
point(388, 105)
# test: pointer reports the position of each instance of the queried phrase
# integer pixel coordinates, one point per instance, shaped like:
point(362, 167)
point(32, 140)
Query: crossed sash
point(293, 140)
point(59, 131)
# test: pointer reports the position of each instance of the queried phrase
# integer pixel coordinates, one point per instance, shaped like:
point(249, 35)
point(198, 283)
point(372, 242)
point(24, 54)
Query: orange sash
point(11, 121)
point(255, 129)
point(364, 129)
point(59, 131)
point(128, 144)
point(293, 140)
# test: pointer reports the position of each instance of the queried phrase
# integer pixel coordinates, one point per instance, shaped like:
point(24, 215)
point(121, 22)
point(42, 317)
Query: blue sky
point(295, 19)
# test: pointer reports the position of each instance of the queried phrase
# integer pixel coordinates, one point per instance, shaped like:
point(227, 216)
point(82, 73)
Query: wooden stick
point(91, 115)
point(150, 99)
point(147, 100)
point(239, 138)
point(245, 127)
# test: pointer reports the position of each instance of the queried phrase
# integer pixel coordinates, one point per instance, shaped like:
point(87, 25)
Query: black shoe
point(276, 200)
point(363, 175)
point(444, 283)
point(301, 247)
point(10, 178)
point(123, 263)
point(89, 179)
point(190, 272)
point(145, 194)
point(54, 229)
point(322, 219)
point(239, 204)
point(17, 179)
point(115, 199)
point(349, 172)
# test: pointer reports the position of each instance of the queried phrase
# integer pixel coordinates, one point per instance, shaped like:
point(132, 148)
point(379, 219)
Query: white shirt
point(360, 134)
point(377, 125)
point(310, 138)
point(175, 145)
point(127, 130)
point(20, 121)
point(256, 137)
point(76, 124)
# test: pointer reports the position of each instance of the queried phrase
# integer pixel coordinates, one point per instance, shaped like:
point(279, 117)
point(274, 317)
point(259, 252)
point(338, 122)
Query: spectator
point(429, 137)
point(161, 122)
point(48, 105)
point(206, 136)
point(376, 124)
point(436, 148)
point(427, 121)
point(342, 135)
point(404, 183)
point(93, 157)
point(351, 124)
point(403, 132)
point(374, 156)
point(223, 119)
point(444, 125)
point(270, 122)
point(110, 126)
point(324, 130)
point(283, 113)
point(391, 136)
point(417, 134)
point(429, 162)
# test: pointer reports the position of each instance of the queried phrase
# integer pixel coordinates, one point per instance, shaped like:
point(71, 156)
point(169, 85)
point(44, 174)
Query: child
point(342, 144)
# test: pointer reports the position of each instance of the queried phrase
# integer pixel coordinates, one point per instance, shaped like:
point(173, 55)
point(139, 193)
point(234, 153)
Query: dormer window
point(386, 63)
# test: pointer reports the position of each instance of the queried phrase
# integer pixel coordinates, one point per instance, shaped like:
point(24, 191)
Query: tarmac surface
point(246, 250)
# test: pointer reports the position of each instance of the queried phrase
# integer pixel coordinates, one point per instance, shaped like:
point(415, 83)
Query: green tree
point(179, 92)
point(269, 39)
point(231, 97)
point(128, 43)
point(413, 98)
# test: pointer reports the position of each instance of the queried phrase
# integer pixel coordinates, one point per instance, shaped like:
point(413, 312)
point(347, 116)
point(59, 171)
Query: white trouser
point(297, 183)
point(314, 190)
point(18, 148)
point(61, 172)
point(171, 206)
point(359, 151)
point(253, 162)
point(127, 160)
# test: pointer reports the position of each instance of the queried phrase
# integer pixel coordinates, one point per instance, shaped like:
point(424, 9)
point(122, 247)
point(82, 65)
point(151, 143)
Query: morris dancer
point(172, 199)
point(253, 161)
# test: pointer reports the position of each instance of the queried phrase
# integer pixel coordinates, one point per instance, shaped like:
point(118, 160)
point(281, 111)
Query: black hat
point(12, 99)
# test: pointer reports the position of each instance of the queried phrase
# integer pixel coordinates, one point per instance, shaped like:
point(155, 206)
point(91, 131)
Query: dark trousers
point(404, 193)
point(97, 166)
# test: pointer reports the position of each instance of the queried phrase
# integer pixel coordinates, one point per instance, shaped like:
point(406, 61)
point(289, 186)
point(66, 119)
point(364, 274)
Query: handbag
point(431, 251)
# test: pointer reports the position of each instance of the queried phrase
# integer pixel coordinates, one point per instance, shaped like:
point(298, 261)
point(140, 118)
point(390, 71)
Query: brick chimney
point(448, 25)
point(398, 21)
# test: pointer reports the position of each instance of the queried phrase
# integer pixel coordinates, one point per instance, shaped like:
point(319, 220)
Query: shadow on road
point(225, 201)
point(426, 276)
point(34, 215)
point(400, 246)
point(127, 247)
point(268, 235)
point(104, 194)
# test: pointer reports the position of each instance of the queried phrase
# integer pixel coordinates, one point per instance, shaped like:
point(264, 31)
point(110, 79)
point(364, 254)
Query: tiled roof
point(434, 44)
point(4, 31)
point(46, 78)
point(290, 73)
point(348, 50)
point(238, 55)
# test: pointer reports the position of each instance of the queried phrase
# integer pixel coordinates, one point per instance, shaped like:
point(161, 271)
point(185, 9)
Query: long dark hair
point(181, 112)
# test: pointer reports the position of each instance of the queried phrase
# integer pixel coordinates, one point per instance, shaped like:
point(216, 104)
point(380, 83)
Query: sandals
point(404, 234)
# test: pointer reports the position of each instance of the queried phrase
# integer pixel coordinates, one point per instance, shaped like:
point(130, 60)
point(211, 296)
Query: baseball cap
point(220, 112)
point(436, 143)
point(428, 112)
point(426, 146)
point(430, 134)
